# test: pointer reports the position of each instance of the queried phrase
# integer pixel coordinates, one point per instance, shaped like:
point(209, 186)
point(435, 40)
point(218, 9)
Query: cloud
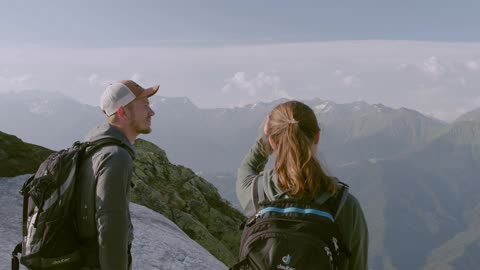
point(21, 80)
point(18, 82)
point(96, 81)
point(338, 73)
point(433, 67)
point(476, 102)
point(137, 77)
point(93, 79)
point(472, 65)
point(262, 86)
point(347, 80)
point(350, 80)
point(240, 82)
point(402, 66)
point(425, 76)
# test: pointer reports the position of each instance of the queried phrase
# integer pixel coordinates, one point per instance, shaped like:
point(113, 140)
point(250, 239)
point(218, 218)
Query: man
point(103, 215)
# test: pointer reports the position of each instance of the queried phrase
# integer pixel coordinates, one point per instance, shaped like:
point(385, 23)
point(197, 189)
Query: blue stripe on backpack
point(296, 210)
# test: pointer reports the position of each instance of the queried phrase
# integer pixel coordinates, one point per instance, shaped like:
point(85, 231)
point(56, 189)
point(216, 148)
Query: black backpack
point(50, 238)
point(292, 234)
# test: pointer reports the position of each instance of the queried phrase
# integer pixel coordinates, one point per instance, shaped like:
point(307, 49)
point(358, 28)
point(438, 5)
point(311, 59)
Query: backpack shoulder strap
point(258, 194)
point(340, 197)
point(336, 201)
point(92, 146)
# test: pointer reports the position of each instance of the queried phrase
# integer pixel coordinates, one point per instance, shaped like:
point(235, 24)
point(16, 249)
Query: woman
point(291, 131)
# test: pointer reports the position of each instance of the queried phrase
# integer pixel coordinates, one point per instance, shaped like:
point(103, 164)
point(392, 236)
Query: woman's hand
point(265, 140)
point(265, 125)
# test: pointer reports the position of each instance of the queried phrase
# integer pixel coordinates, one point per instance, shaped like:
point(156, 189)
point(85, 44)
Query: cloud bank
point(439, 79)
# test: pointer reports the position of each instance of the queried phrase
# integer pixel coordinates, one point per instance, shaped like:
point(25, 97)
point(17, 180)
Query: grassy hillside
point(18, 157)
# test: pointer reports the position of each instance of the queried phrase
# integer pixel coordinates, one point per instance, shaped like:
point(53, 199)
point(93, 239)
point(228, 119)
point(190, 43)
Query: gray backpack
point(49, 232)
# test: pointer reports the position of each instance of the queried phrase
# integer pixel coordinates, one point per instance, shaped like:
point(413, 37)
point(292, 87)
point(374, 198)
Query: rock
point(174, 191)
point(188, 200)
point(158, 244)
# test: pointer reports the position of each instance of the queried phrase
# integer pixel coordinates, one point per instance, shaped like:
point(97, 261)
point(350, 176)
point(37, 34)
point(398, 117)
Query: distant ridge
point(471, 116)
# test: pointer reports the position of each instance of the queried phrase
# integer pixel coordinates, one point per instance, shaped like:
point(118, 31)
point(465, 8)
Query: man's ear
point(316, 138)
point(122, 113)
point(272, 143)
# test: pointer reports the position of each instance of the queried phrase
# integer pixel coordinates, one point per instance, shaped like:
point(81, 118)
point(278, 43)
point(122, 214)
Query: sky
point(423, 55)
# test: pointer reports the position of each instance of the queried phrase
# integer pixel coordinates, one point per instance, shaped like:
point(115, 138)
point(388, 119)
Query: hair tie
point(292, 121)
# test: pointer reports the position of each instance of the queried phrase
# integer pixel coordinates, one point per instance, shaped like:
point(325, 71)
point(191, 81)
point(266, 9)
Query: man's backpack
point(292, 234)
point(50, 239)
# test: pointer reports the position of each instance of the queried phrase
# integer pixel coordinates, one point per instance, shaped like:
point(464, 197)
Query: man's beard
point(142, 130)
point(138, 125)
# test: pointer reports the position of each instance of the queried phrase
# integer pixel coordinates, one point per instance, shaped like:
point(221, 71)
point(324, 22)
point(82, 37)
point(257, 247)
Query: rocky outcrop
point(174, 191)
point(158, 244)
point(188, 200)
point(18, 157)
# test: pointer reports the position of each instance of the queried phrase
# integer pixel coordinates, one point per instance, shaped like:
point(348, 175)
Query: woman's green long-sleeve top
point(350, 220)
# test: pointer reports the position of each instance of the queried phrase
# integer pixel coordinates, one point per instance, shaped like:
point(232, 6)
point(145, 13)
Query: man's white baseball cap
point(121, 93)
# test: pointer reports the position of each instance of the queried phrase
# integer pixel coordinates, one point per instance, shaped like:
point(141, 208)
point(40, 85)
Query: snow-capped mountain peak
point(323, 107)
point(40, 107)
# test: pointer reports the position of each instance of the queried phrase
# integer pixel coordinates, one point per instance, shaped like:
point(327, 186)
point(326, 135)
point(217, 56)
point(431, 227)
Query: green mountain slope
point(18, 157)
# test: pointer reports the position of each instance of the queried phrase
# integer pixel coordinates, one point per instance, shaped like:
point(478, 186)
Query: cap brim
point(149, 91)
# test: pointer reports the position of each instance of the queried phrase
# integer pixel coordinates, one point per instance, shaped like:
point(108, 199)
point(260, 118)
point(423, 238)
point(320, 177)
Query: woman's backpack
point(291, 234)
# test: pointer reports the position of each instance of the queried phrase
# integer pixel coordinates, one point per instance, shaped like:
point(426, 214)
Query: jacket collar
point(108, 131)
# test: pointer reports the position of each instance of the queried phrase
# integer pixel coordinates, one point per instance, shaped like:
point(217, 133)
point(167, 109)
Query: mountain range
point(419, 205)
point(416, 177)
point(187, 133)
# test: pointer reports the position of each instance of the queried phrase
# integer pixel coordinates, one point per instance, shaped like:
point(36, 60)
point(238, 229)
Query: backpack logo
point(61, 261)
point(286, 260)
